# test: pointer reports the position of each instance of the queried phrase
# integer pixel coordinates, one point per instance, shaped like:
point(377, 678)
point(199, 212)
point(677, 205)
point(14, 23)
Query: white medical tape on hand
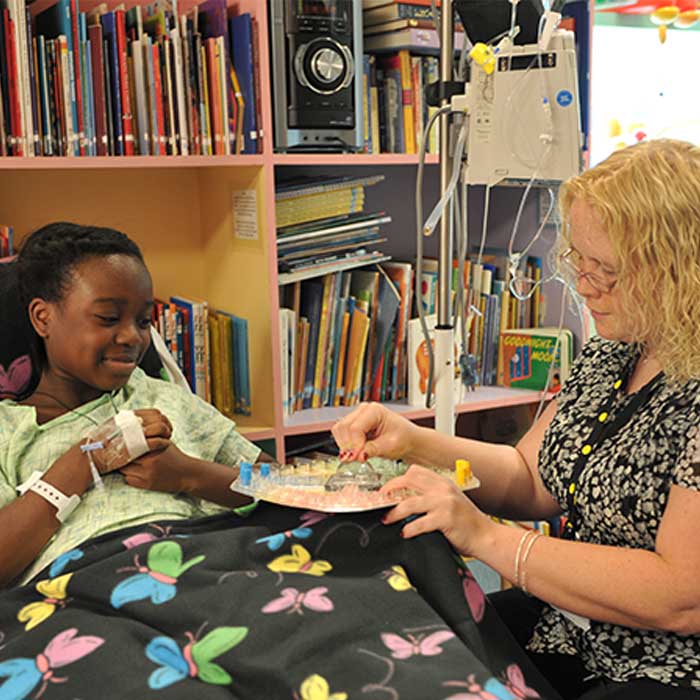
point(132, 432)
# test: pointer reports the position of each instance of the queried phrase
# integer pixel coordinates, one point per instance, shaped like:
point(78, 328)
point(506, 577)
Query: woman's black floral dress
point(621, 495)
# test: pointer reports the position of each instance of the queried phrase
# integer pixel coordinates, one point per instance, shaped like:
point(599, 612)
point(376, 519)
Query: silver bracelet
point(526, 554)
point(516, 578)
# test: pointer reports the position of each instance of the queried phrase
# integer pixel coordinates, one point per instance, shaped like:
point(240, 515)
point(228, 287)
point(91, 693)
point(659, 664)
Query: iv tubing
point(436, 214)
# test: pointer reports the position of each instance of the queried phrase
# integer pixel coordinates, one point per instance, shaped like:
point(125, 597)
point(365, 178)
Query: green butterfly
point(157, 580)
point(194, 660)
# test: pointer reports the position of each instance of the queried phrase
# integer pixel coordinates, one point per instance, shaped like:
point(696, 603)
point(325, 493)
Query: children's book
point(419, 362)
point(528, 354)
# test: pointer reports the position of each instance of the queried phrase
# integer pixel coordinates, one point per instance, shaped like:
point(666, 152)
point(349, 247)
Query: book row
point(355, 335)
point(146, 80)
point(395, 108)
point(322, 226)
point(211, 349)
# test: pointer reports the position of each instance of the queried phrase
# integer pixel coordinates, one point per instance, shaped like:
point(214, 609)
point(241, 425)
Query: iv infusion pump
point(524, 118)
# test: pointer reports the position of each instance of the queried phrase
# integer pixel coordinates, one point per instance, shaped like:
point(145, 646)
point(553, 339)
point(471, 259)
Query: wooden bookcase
point(179, 210)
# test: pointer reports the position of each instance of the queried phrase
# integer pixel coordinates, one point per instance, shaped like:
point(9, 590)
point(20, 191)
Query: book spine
point(88, 101)
point(255, 39)
point(66, 63)
point(47, 133)
point(178, 69)
point(53, 70)
point(169, 98)
point(223, 76)
point(34, 94)
point(24, 80)
point(204, 110)
point(407, 101)
point(142, 117)
point(158, 97)
point(76, 78)
point(124, 93)
point(214, 89)
point(18, 142)
point(109, 112)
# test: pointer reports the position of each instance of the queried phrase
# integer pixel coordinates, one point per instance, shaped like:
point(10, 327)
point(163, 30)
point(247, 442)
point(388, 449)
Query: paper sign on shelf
point(245, 214)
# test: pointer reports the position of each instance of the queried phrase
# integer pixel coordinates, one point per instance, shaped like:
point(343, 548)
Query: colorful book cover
point(528, 354)
point(242, 358)
point(419, 362)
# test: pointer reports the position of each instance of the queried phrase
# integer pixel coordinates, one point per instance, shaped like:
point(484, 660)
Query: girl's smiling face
point(98, 332)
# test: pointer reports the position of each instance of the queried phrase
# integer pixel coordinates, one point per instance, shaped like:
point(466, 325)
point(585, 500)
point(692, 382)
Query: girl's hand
point(168, 470)
point(155, 425)
point(372, 430)
point(439, 505)
point(157, 430)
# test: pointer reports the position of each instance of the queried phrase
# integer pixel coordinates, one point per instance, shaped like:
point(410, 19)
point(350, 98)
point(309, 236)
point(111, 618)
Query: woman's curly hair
point(648, 199)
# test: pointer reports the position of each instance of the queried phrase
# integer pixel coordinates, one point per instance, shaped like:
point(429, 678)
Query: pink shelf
point(350, 159)
point(256, 433)
point(118, 162)
point(321, 419)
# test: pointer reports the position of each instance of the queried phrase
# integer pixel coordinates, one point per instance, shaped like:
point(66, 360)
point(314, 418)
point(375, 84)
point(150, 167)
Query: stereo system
point(316, 48)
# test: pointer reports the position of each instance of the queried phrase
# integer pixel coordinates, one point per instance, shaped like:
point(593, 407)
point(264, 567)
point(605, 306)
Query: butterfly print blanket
point(283, 603)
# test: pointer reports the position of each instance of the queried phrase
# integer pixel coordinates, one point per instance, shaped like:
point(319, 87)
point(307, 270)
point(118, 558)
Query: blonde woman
point(613, 609)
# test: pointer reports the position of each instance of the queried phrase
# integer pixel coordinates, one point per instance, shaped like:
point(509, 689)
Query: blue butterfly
point(156, 580)
point(277, 540)
point(62, 561)
point(195, 660)
point(23, 675)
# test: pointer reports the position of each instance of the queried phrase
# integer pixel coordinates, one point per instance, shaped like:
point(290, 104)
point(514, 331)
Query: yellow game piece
point(463, 472)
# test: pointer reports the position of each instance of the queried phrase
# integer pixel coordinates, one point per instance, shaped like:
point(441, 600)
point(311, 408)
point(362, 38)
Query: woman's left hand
point(169, 470)
point(439, 505)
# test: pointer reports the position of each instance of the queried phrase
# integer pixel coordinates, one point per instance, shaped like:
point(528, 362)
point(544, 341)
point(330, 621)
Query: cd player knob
point(327, 65)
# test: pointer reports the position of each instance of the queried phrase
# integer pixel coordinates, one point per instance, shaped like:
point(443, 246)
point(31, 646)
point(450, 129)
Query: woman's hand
point(372, 430)
point(439, 505)
point(168, 470)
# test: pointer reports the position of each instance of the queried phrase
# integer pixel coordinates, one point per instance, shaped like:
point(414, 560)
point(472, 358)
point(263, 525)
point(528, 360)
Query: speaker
point(316, 48)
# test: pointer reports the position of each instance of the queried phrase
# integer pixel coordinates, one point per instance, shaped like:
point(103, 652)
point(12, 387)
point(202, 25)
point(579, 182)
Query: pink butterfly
point(311, 517)
point(16, 378)
point(473, 593)
point(143, 537)
point(292, 601)
point(515, 682)
point(417, 645)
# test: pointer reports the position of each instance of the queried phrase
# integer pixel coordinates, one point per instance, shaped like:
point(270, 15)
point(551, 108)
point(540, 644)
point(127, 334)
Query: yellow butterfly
point(399, 580)
point(54, 592)
point(316, 688)
point(299, 562)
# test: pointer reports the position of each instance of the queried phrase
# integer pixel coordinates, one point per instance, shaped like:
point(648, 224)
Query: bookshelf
point(179, 209)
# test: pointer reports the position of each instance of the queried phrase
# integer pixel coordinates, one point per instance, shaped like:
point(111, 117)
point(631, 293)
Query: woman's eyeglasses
point(571, 262)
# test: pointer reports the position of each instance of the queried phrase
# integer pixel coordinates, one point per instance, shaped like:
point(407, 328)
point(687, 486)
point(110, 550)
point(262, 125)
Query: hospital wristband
point(63, 504)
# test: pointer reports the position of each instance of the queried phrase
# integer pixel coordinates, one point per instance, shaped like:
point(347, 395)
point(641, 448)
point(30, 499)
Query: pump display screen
point(317, 8)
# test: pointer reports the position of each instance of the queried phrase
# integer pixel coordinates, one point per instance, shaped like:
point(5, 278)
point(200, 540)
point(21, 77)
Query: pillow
point(18, 375)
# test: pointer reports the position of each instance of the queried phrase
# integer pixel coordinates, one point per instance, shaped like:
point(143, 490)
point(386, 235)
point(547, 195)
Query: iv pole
point(444, 331)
